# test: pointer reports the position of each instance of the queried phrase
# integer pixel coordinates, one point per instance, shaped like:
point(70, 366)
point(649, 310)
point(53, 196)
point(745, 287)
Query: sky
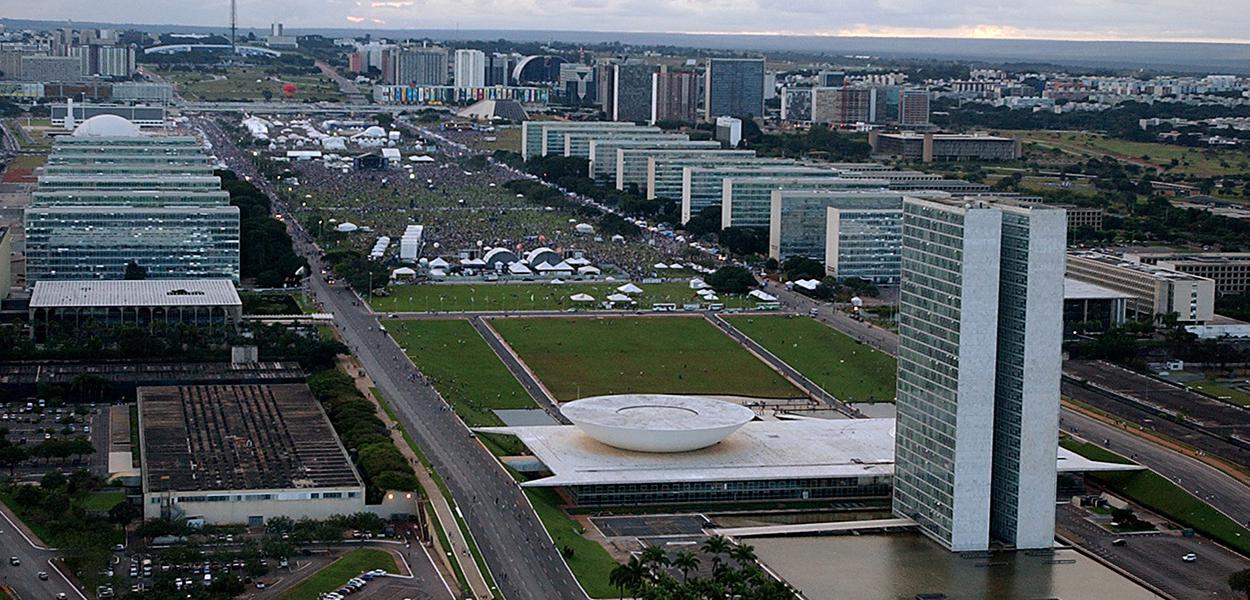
point(1148, 20)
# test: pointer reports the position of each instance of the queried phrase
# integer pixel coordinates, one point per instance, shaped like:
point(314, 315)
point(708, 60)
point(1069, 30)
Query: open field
point(1223, 391)
point(851, 371)
point(589, 562)
point(506, 138)
point(247, 83)
point(463, 368)
point(335, 574)
point(1189, 161)
point(577, 358)
point(533, 296)
point(1160, 495)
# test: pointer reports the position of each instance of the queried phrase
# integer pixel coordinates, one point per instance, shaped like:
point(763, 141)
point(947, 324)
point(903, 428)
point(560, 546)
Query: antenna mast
point(234, 20)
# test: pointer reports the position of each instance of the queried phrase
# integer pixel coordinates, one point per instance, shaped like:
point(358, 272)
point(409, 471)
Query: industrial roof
point(238, 437)
point(760, 450)
point(147, 292)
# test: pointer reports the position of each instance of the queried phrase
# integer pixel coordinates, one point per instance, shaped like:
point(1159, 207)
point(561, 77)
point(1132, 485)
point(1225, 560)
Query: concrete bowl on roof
point(656, 422)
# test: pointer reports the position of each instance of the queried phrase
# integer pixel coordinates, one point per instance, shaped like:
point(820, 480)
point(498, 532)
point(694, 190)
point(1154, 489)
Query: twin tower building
point(979, 363)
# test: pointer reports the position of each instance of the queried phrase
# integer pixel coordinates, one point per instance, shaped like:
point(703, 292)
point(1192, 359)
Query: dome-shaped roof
point(656, 422)
point(107, 126)
point(374, 131)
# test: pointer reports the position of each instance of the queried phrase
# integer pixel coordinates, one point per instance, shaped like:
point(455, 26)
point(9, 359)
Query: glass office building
point(864, 243)
point(980, 322)
point(578, 144)
point(104, 202)
point(96, 242)
point(632, 162)
point(540, 138)
point(605, 162)
point(797, 224)
point(733, 87)
point(746, 199)
point(664, 174)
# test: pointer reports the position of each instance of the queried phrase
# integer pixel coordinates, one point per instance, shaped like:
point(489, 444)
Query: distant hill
point(1157, 56)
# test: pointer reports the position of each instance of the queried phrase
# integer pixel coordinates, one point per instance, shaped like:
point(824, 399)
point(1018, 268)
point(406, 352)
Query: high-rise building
point(52, 68)
point(796, 225)
point(423, 65)
point(499, 68)
point(578, 86)
point(796, 104)
point(913, 107)
point(470, 68)
point(980, 326)
point(675, 96)
point(631, 92)
point(733, 87)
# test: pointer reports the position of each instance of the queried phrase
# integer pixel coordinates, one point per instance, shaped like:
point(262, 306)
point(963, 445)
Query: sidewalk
point(442, 509)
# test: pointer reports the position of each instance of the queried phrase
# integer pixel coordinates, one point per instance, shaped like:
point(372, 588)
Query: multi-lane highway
point(24, 578)
point(523, 561)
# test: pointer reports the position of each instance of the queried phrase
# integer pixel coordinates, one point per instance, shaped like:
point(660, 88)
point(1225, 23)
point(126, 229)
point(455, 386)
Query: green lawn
point(28, 161)
point(104, 500)
point(335, 574)
point(680, 355)
point(851, 371)
point(464, 369)
point(1160, 495)
point(250, 83)
point(589, 562)
point(534, 296)
point(1222, 391)
point(1202, 162)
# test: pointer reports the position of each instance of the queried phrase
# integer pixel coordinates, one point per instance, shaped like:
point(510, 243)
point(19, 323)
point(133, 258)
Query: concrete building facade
point(1155, 291)
point(733, 87)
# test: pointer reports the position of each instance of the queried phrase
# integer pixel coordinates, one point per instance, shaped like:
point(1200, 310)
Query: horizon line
point(936, 35)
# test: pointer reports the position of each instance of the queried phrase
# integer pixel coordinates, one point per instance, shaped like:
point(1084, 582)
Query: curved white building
point(655, 422)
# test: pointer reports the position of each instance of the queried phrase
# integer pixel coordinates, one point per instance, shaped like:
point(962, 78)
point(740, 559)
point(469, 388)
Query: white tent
point(629, 288)
point(557, 281)
point(660, 266)
point(439, 263)
point(438, 273)
point(807, 284)
point(711, 298)
point(762, 296)
point(584, 228)
point(582, 298)
point(618, 238)
point(705, 293)
point(346, 227)
point(517, 268)
point(619, 298)
point(698, 284)
point(420, 158)
point(403, 272)
point(588, 270)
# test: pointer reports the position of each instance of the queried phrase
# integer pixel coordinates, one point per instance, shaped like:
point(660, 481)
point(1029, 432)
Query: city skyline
point(1073, 20)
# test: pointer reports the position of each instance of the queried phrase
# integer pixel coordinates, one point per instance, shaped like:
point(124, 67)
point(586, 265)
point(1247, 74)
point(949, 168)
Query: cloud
point(1158, 20)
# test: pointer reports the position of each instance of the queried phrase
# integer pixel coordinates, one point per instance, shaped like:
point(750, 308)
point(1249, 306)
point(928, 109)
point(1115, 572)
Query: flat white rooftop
point(1075, 289)
point(89, 293)
point(760, 450)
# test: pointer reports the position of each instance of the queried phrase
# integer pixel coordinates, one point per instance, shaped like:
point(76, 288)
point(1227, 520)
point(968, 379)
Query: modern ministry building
point(798, 220)
point(980, 327)
point(864, 243)
point(82, 224)
point(733, 87)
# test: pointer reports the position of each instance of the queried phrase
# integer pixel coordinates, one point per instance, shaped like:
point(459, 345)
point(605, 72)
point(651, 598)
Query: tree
point(1240, 582)
point(802, 267)
point(628, 576)
point(743, 554)
point(686, 561)
point(731, 280)
point(135, 271)
point(716, 546)
point(744, 241)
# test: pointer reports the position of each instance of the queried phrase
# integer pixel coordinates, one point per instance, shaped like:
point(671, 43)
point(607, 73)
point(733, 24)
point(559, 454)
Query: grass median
point(1157, 493)
point(456, 297)
point(590, 563)
point(851, 371)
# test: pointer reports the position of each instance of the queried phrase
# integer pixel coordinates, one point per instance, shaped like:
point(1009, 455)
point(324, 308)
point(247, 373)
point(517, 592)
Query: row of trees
point(266, 252)
point(735, 574)
point(367, 439)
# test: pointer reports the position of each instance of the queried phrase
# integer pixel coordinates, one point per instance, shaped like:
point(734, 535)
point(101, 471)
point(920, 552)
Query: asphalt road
point(1156, 557)
point(524, 377)
point(511, 538)
point(23, 578)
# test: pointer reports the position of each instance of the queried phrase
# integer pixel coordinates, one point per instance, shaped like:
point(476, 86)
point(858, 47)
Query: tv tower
point(234, 20)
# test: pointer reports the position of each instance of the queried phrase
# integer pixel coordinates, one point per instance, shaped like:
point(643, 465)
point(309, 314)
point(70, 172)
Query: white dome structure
point(346, 227)
point(656, 422)
point(107, 126)
point(373, 132)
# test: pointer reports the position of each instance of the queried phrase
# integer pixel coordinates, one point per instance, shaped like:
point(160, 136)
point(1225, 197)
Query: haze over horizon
point(1074, 20)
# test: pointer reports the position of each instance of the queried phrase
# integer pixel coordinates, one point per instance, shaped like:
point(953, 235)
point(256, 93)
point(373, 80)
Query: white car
point(1191, 557)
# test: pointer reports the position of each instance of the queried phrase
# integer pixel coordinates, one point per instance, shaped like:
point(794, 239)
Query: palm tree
point(686, 561)
point(629, 575)
point(743, 554)
point(716, 546)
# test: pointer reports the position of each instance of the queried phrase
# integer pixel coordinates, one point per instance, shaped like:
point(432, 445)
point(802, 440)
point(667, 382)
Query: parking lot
point(32, 425)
